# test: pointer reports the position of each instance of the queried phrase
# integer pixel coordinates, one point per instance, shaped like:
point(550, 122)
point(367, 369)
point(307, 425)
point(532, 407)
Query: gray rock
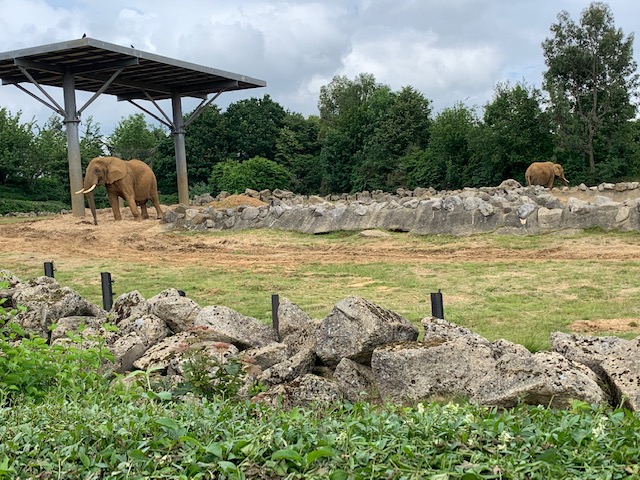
point(546, 379)
point(81, 332)
point(46, 302)
point(242, 331)
point(151, 328)
point(127, 305)
point(356, 382)
point(268, 356)
point(178, 312)
point(300, 364)
point(297, 330)
point(303, 392)
point(355, 327)
point(622, 370)
point(588, 350)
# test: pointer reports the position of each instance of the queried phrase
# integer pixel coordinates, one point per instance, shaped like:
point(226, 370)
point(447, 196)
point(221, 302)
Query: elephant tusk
point(90, 189)
point(80, 191)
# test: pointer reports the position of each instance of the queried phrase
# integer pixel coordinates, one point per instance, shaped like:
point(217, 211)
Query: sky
point(450, 50)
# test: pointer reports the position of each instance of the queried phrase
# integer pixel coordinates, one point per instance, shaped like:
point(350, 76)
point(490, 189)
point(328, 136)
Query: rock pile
point(508, 208)
point(360, 351)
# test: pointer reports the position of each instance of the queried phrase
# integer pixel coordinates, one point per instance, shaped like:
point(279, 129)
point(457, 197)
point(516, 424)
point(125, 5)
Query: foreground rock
point(360, 351)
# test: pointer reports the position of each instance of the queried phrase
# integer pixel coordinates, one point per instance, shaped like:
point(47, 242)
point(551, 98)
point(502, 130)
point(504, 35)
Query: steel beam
point(72, 122)
point(181, 154)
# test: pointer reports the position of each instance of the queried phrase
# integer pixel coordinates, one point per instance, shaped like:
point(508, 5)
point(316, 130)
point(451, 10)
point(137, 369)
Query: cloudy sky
point(450, 50)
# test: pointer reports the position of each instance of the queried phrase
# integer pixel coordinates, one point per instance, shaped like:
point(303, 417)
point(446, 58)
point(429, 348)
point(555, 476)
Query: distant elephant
point(132, 180)
point(544, 173)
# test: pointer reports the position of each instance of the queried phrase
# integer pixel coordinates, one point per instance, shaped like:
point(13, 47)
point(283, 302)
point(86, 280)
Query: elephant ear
point(116, 170)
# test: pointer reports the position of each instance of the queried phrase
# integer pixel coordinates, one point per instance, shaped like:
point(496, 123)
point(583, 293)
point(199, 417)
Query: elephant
point(132, 180)
point(544, 173)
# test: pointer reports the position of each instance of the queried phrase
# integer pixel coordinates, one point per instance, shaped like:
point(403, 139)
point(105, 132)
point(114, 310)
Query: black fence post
point(107, 292)
point(275, 304)
point(437, 306)
point(48, 269)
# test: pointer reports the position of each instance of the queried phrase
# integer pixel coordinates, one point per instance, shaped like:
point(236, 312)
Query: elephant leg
point(131, 200)
point(143, 207)
point(115, 205)
point(156, 203)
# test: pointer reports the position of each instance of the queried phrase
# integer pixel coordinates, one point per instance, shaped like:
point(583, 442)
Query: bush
point(256, 173)
point(29, 366)
point(11, 205)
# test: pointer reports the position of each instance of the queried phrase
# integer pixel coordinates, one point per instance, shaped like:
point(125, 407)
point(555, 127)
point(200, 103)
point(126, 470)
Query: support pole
point(275, 304)
point(107, 292)
point(181, 154)
point(72, 122)
point(48, 269)
point(437, 306)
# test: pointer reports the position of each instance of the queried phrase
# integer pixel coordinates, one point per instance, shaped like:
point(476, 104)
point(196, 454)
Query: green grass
point(521, 300)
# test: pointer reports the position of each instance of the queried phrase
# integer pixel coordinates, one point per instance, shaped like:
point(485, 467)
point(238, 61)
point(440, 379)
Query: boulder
point(303, 392)
point(546, 378)
point(356, 382)
point(81, 332)
point(355, 327)
point(622, 371)
point(178, 311)
point(46, 302)
point(267, 356)
point(244, 332)
point(300, 364)
point(296, 328)
point(128, 305)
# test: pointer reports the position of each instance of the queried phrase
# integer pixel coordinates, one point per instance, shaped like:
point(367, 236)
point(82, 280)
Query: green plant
point(29, 366)
point(212, 375)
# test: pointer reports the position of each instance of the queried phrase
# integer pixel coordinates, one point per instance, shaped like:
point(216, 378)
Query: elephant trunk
point(92, 206)
point(89, 185)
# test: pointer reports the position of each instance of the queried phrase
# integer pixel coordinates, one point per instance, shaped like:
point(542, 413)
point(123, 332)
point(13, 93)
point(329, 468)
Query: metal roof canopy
point(99, 67)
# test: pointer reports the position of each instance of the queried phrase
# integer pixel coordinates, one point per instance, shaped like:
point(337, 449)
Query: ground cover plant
point(78, 423)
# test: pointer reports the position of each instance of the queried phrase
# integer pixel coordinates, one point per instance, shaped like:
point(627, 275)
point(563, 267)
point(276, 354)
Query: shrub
point(29, 366)
point(256, 173)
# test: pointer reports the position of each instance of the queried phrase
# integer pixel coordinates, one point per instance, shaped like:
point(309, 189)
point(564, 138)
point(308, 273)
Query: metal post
point(107, 292)
point(437, 306)
point(275, 304)
point(72, 121)
point(181, 154)
point(48, 269)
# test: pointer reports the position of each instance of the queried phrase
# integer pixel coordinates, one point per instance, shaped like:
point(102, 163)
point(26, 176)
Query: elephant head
point(559, 172)
point(101, 171)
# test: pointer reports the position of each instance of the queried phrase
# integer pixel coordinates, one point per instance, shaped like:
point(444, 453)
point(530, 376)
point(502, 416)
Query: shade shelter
point(131, 75)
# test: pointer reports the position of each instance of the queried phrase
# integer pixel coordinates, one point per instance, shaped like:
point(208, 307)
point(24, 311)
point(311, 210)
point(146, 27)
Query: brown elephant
point(132, 180)
point(544, 173)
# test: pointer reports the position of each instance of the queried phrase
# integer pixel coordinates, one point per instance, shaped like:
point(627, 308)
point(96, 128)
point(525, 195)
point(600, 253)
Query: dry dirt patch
point(69, 237)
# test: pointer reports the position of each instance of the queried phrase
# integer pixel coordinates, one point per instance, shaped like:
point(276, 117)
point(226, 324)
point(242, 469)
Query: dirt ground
point(76, 240)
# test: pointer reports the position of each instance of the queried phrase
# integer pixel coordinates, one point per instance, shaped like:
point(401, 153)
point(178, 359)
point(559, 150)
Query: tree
point(253, 127)
point(515, 133)
point(591, 82)
point(16, 143)
point(449, 146)
point(133, 137)
point(401, 125)
point(297, 149)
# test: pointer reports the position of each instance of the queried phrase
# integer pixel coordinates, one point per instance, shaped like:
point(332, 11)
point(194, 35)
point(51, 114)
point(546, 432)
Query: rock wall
point(508, 208)
point(360, 351)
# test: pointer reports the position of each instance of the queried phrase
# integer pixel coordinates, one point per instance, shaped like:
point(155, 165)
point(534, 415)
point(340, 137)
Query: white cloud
point(451, 50)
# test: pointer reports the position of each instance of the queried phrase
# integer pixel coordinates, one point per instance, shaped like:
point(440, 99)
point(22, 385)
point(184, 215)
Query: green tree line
point(368, 136)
